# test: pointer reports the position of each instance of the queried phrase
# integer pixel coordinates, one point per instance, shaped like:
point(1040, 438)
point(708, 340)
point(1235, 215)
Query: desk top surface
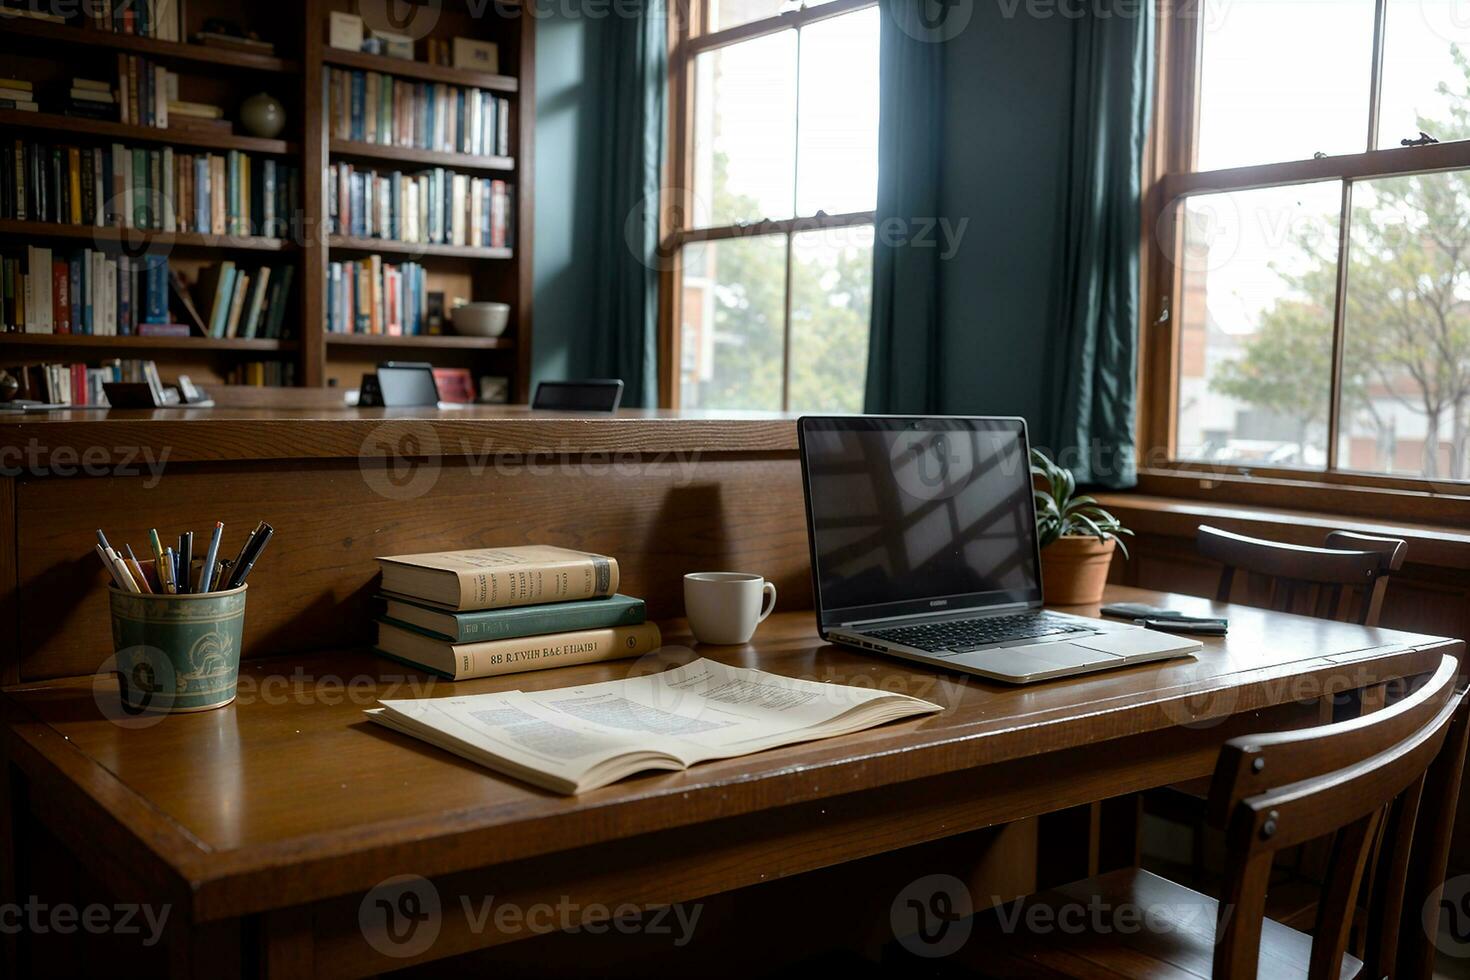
point(291, 772)
point(222, 434)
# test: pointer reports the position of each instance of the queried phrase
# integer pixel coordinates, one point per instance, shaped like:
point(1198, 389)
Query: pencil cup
point(177, 653)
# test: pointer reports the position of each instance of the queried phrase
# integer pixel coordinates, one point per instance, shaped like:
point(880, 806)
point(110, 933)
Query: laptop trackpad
point(1033, 660)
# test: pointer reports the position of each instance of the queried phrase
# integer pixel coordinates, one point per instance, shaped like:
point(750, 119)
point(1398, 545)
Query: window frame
point(1169, 178)
point(689, 37)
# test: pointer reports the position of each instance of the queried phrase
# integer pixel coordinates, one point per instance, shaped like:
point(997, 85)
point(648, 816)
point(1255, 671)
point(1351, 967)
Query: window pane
point(838, 134)
point(1406, 354)
point(1418, 58)
point(1255, 322)
point(1283, 79)
point(831, 297)
point(745, 131)
point(732, 13)
point(733, 312)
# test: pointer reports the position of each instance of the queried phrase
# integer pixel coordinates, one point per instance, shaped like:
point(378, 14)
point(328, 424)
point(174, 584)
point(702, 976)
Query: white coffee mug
point(726, 607)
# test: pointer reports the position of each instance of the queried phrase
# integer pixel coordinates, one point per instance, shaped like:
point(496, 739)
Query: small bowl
point(481, 319)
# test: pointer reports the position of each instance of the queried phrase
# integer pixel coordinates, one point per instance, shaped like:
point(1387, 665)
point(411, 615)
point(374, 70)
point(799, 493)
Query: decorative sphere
point(263, 115)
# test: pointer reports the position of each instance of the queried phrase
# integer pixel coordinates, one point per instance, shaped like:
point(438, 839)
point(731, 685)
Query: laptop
point(923, 540)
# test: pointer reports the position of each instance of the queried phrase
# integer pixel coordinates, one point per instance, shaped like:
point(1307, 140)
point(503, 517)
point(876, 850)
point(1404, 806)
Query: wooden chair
point(1391, 775)
point(1344, 580)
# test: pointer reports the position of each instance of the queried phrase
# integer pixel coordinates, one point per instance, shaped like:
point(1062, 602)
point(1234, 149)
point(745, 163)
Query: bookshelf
point(297, 74)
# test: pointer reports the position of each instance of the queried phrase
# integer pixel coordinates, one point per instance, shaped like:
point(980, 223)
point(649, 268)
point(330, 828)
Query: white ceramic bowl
point(481, 319)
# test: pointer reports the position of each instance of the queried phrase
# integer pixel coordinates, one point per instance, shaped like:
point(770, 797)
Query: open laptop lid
point(909, 516)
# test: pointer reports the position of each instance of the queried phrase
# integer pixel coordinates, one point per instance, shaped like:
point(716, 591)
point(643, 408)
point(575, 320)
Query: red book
point(60, 298)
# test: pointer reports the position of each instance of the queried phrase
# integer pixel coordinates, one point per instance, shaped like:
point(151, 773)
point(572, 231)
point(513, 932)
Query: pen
point(102, 540)
point(124, 577)
point(111, 568)
point(186, 561)
point(259, 541)
point(168, 572)
point(240, 558)
point(131, 561)
point(206, 573)
point(157, 547)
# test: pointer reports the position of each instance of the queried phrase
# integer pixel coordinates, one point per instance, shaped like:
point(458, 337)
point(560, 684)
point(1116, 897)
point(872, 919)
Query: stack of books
point(16, 93)
point(466, 614)
point(91, 99)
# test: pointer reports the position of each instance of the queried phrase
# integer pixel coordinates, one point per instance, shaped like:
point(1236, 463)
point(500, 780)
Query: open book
point(579, 738)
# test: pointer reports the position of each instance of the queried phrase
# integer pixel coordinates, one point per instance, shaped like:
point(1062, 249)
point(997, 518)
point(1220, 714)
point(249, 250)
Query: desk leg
point(1083, 841)
point(286, 948)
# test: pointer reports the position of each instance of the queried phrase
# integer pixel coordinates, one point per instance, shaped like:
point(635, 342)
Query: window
point(1313, 249)
point(775, 144)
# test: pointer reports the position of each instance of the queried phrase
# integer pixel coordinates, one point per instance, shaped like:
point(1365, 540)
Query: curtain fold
point(905, 346)
point(1092, 393)
point(623, 332)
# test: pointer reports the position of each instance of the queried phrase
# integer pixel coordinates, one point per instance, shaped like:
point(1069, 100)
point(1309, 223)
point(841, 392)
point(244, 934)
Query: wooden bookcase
point(51, 54)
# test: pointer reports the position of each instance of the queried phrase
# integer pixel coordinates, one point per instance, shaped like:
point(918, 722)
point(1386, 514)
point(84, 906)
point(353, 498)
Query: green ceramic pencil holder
point(177, 653)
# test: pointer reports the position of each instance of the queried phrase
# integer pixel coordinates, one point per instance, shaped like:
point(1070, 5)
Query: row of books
point(81, 384)
point(490, 611)
point(159, 19)
point(158, 190)
point(241, 303)
point(263, 374)
point(434, 207)
point(84, 292)
point(371, 107)
point(371, 296)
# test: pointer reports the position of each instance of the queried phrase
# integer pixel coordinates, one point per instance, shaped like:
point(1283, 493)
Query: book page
point(588, 735)
point(507, 728)
point(707, 710)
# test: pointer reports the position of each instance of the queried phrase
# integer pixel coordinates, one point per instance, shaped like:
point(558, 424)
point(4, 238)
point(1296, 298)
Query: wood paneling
point(314, 586)
point(300, 430)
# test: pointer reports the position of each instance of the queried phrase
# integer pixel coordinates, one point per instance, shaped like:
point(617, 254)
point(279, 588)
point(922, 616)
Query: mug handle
point(769, 590)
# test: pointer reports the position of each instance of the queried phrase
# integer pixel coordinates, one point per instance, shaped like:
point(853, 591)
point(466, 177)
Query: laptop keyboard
point(963, 636)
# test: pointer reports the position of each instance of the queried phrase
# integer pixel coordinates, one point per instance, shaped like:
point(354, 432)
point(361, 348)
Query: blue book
point(359, 94)
point(505, 624)
point(155, 308)
point(201, 194)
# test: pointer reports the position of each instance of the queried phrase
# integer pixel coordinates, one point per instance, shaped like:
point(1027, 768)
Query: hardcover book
point(489, 658)
point(494, 578)
point(504, 624)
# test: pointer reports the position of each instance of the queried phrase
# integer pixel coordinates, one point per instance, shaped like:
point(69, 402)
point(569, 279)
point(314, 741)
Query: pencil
point(136, 568)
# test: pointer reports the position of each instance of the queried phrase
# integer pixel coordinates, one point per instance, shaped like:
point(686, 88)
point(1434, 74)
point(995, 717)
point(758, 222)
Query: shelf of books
point(423, 203)
point(159, 191)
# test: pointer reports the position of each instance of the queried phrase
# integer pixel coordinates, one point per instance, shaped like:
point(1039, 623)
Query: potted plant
point(1076, 535)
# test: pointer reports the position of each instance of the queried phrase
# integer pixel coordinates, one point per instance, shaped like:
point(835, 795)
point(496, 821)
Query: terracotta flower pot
point(1074, 569)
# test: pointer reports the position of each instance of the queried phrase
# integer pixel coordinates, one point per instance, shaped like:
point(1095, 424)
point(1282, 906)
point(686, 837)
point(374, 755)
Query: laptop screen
point(914, 516)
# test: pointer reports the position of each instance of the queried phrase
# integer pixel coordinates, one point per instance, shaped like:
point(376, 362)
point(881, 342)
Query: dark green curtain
point(905, 347)
point(1092, 394)
point(623, 327)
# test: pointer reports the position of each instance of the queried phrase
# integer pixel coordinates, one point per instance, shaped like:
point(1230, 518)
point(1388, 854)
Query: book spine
point(537, 621)
point(557, 650)
point(523, 585)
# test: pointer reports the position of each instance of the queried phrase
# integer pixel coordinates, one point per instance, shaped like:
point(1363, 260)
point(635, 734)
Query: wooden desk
point(266, 824)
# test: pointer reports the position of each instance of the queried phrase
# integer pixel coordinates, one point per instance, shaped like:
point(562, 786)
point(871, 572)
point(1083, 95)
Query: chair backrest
point(1344, 580)
point(593, 395)
point(1373, 779)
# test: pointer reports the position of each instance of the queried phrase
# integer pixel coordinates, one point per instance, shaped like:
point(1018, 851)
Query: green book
point(505, 624)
